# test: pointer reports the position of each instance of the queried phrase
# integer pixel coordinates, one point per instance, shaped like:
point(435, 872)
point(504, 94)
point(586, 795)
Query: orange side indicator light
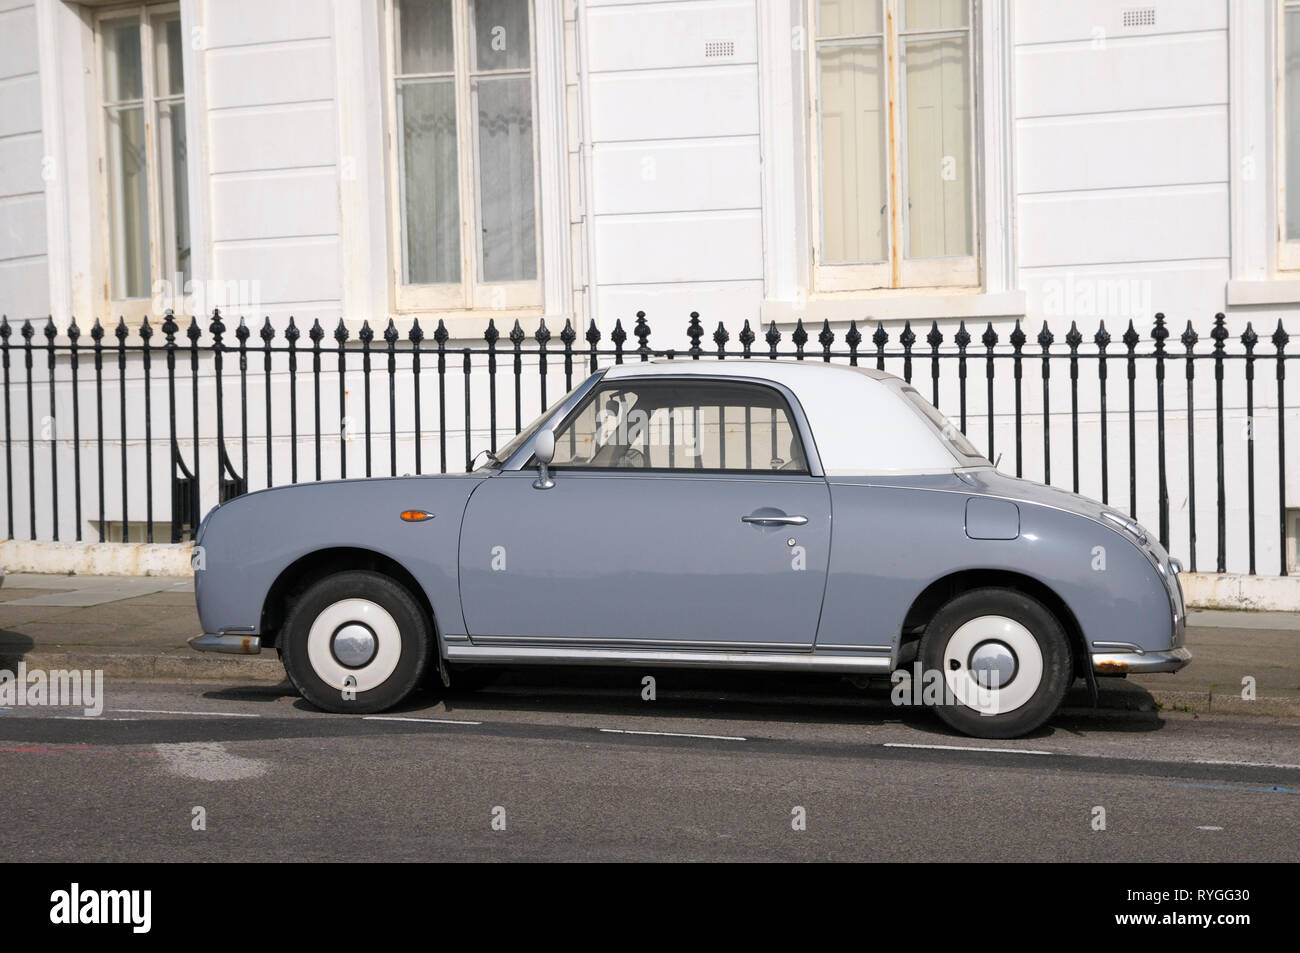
point(416, 516)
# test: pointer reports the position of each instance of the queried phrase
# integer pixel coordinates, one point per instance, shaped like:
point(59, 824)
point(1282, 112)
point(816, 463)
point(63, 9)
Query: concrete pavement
point(136, 627)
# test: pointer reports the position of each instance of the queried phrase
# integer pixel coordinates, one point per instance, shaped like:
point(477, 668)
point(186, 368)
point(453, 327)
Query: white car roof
point(860, 418)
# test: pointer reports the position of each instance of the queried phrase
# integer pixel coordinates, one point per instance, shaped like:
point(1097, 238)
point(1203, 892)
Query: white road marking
point(164, 711)
point(900, 744)
point(671, 734)
point(431, 721)
point(1251, 764)
point(1209, 828)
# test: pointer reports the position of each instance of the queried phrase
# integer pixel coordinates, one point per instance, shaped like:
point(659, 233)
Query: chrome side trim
point(804, 662)
point(1120, 647)
point(835, 647)
point(226, 644)
point(671, 645)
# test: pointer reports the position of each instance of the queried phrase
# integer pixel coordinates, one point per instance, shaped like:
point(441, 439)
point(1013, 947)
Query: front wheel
point(1005, 661)
point(355, 642)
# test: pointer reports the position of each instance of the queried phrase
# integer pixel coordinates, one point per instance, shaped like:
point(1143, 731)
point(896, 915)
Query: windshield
point(505, 453)
point(952, 436)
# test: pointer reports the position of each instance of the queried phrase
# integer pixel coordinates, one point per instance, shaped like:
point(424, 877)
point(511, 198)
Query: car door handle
point(775, 520)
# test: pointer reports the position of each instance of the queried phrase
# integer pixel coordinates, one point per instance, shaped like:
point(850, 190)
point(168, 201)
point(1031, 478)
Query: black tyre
point(355, 642)
point(1005, 662)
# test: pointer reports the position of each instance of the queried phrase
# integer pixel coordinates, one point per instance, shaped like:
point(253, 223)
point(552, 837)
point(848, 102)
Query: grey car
point(775, 515)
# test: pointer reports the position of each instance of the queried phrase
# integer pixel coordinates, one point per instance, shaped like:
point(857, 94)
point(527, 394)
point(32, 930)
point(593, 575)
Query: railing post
point(1248, 340)
point(74, 361)
point(962, 339)
point(1130, 340)
point(989, 340)
point(1220, 334)
point(1189, 339)
point(146, 332)
point(5, 332)
point(345, 431)
point(1159, 334)
point(51, 332)
point(1017, 347)
point(416, 335)
point(1045, 339)
point(1074, 338)
point(1102, 340)
point(1280, 339)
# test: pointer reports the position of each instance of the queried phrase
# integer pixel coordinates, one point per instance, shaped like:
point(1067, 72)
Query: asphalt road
point(579, 767)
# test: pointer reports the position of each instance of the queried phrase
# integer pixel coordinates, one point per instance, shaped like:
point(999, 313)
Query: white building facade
point(876, 161)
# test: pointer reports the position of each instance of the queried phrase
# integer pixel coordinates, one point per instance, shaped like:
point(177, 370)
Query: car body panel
point(246, 543)
point(624, 558)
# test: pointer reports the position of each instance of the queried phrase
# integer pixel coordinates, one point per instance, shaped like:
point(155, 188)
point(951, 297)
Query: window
point(893, 112)
point(464, 148)
point(142, 92)
point(682, 425)
point(1289, 138)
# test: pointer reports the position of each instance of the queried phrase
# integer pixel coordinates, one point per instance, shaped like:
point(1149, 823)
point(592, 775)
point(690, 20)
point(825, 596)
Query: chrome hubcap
point(993, 664)
point(354, 645)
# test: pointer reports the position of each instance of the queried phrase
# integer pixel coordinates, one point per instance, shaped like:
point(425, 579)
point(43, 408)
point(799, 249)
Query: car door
point(684, 513)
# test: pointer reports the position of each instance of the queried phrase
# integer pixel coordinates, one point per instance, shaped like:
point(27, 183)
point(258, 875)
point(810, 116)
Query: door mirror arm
point(544, 451)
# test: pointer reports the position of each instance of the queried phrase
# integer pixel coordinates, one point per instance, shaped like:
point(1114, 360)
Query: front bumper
point(1139, 663)
point(227, 644)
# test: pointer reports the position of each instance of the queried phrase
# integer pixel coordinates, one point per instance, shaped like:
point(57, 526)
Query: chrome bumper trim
point(1137, 663)
point(226, 644)
point(773, 661)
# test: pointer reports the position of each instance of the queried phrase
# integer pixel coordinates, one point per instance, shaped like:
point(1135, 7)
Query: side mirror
point(544, 451)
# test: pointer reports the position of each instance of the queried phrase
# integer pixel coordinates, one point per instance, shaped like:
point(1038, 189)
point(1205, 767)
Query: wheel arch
point(307, 569)
point(941, 590)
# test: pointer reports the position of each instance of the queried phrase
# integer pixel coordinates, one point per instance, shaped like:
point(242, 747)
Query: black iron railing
point(216, 381)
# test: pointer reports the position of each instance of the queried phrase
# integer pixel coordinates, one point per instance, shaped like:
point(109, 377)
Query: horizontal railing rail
point(233, 396)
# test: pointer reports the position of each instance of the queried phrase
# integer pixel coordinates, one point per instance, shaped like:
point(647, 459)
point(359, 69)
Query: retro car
point(732, 514)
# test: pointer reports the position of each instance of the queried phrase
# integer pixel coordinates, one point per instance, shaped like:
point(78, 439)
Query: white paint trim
point(57, 224)
point(96, 559)
point(363, 222)
point(1252, 205)
point(996, 182)
point(1245, 293)
point(929, 305)
point(553, 161)
point(194, 68)
point(604, 324)
point(781, 187)
point(1208, 590)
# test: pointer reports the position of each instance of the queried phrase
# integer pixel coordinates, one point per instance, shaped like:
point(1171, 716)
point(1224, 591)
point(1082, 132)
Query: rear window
point(948, 431)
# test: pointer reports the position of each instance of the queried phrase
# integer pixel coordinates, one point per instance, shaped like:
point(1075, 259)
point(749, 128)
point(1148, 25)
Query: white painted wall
point(24, 274)
point(676, 162)
point(273, 153)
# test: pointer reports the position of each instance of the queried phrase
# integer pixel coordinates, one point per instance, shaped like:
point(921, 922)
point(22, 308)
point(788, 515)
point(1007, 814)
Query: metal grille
point(1143, 16)
point(714, 48)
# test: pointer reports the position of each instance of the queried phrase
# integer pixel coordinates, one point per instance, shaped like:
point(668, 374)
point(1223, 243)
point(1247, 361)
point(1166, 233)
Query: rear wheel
point(1005, 661)
point(355, 642)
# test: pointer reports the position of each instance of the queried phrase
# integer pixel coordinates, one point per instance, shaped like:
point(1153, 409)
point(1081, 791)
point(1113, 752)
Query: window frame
point(897, 271)
point(471, 293)
point(134, 310)
point(797, 424)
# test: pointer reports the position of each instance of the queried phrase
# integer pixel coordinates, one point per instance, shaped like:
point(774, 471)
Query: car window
point(682, 425)
point(950, 433)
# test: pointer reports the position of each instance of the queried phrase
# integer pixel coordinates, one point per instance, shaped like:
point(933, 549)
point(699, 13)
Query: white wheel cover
point(387, 653)
point(962, 682)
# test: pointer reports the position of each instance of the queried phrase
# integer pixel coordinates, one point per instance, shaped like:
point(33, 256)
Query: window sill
point(921, 305)
point(1244, 294)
